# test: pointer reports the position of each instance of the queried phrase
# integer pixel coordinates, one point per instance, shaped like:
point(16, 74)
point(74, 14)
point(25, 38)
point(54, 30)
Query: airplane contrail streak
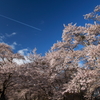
point(20, 22)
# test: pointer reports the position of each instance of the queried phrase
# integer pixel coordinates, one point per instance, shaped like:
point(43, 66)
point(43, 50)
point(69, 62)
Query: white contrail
point(20, 22)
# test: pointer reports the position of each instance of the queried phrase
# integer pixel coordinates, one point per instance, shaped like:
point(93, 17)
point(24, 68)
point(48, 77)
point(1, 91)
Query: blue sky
point(47, 15)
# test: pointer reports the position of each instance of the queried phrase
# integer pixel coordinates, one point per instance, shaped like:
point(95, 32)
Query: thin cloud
point(2, 38)
point(13, 45)
point(23, 52)
point(12, 34)
point(20, 62)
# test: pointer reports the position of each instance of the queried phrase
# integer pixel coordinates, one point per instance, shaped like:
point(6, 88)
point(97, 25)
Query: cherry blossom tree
point(89, 55)
point(7, 68)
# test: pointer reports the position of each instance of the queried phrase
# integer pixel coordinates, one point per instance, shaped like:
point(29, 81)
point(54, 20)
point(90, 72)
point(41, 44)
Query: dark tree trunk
point(2, 96)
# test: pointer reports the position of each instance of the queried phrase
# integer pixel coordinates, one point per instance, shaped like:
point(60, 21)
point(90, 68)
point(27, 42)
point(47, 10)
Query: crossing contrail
point(20, 22)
